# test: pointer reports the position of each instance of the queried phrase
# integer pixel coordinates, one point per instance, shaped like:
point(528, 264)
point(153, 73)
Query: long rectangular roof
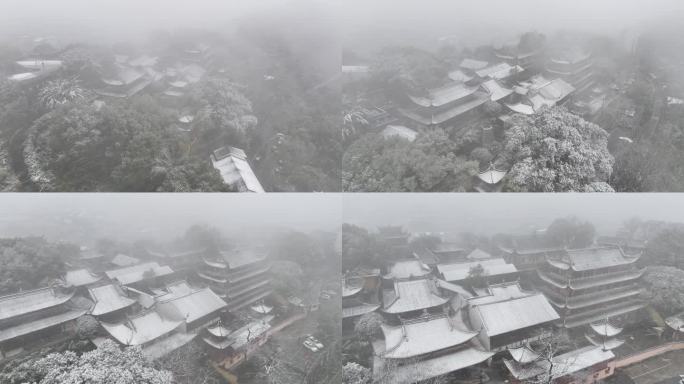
point(235, 169)
point(167, 345)
point(489, 270)
point(30, 301)
point(426, 369)
point(80, 277)
point(196, 305)
point(411, 295)
point(405, 269)
point(498, 71)
point(136, 273)
point(595, 258)
point(40, 324)
point(142, 329)
point(473, 64)
point(242, 257)
point(444, 95)
point(508, 316)
point(563, 365)
point(420, 337)
point(478, 99)
point(108, 299)
point(495, 90)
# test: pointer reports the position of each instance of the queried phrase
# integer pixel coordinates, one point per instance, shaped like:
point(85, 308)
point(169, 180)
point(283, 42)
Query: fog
point(368, 25)
point(506, 213)
point(95, 21)
point(84, 218)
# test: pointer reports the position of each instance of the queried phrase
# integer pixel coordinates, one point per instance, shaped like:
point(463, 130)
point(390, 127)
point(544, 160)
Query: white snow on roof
point(521, 108)
point(411, 295)
point(80, 277)
point(196, 305)
point(563, 365)
point(420, 337)
point(444, 95)
point(428, 368)
point(30, 301)
point(141, 329)
point(122, 260)
point(22, 76)
point(405, 269)
point(595, 258)
point(136, 273)
point(108, 298)
point(508, 316)
point(473, 64)
point(523, 354)
point(236, 171)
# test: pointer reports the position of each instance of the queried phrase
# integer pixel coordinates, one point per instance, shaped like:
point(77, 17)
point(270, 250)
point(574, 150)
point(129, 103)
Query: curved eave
point(607, 344)
point(207, 277)
point(551, 281)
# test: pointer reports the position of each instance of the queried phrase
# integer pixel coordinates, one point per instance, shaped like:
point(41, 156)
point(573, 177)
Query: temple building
point(532, 95)
point(574, 66)
point(529, 252)
point(444, 105)
point(124, 81)
point(111, 302)
point(146, 273)
point(180, 259)
point(199, 307)
point(490, 180)
point(426, 347)
point(356, 300)
point(229, 347)
point(493, 271)
point(605, 335)
point(158, 332)
point(448, 252)
point(240, 277)
point(235, 170)
point(80, 278)
point(38, 317)
point(591, 285)
point(509, 317)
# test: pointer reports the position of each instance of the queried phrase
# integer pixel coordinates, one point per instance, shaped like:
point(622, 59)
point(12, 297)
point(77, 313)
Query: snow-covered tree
point(368, 325)
point(105, 365)
point(61, 91)
point(354, 373)
point(556, 151)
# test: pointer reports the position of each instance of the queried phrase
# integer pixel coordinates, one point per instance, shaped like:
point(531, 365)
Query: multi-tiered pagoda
point(240, 277)
point(590, 285)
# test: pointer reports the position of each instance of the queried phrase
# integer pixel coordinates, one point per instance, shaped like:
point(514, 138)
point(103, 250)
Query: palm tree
point(62, 91)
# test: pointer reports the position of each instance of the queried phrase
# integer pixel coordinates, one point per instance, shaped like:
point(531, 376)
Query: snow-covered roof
point(241, 257)
point(399, 131)
point(606, 343)
point(492, 175)
point(473, 64)
point(80, 277)
point(28, 327)
point(195, 305)
point(459, 76)
point(21, 303)
point(142, 328)
point(411, 295)
point(676, 322)
point(358, 310)
point(424, 336)
point(22, 76)
point(162, 347)
point(521, 108)
point(441, 268)
point(478, 254)
point(563, 365)
point(511, 315)
point(499, 292)
point(523, 354)
point(425, 369)
point(498, 71)
point(108, 298)
point(444, 95)
point(122, 260)
point(593, 258)
point(133, 274)
point(605, 328)
point(235, 170)
point(495, 90)
point(461, 271)
point(405, 269)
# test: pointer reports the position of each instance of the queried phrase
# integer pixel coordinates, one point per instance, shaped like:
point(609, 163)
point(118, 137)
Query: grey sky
point(89, 19)
point(86, 217)
point(493, 21)
point(514, 213)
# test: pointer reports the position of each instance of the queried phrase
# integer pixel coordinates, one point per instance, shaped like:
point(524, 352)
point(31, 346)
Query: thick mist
point(489, 214)
point(81, 218)
point(368, 25)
